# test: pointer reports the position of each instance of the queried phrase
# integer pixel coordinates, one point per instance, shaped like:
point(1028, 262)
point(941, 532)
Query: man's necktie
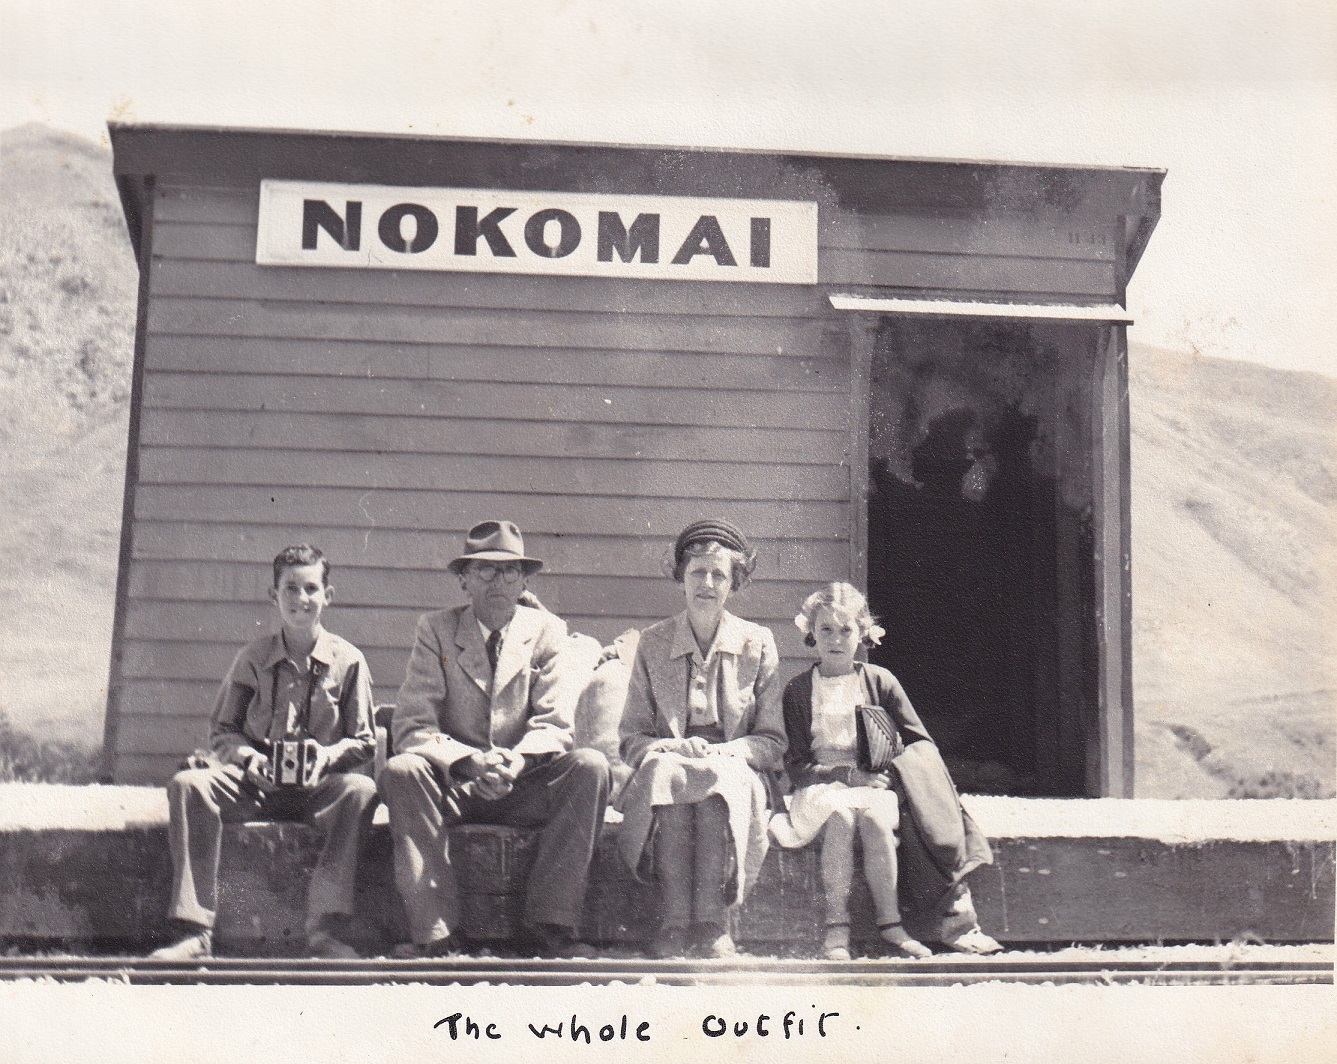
point(493, 649)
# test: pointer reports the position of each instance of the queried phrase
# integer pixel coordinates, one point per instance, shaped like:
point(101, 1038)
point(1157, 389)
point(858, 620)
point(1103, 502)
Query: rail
point(467, 971)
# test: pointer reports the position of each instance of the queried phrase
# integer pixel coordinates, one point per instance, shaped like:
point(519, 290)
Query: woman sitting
point(911, 805)
point(702, 723)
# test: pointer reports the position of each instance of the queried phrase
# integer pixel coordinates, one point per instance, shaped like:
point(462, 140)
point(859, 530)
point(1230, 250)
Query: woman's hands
point(695, 746)
point(879, 781)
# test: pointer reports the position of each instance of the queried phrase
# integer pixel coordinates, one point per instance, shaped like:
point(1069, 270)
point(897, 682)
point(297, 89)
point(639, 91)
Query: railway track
point(743, 971)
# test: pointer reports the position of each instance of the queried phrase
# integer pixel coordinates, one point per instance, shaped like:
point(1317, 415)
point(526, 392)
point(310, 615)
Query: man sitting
point(483, 733)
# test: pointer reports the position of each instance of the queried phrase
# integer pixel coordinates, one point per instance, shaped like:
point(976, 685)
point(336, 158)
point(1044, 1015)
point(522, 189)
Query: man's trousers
point(563, 797)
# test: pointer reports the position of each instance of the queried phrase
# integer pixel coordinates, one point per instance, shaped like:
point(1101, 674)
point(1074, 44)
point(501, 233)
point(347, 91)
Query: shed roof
point(854, 183)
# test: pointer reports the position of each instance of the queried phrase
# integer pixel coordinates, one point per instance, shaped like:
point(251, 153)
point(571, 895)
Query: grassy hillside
point(1234, 495)
point(67, 307)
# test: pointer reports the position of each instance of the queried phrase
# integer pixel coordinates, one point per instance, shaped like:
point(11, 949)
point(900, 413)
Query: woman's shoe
point(669, 943)
point(974, 941)
point(836, 944)
point(714, 942)
point(896, 937)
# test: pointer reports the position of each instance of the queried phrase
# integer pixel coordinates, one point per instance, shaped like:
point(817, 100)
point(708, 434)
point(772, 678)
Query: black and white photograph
point(685, 532)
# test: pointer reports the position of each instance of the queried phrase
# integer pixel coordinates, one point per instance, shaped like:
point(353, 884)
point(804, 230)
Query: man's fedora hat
point(495, 541)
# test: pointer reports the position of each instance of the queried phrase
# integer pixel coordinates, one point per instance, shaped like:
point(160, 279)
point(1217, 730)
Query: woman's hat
point(711, 531)
point(495, 541)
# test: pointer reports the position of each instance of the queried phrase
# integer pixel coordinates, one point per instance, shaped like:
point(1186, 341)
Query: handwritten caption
point(793, 1023)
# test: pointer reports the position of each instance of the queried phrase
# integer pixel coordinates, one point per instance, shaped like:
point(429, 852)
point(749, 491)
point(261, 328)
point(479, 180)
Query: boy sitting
point(292, 718)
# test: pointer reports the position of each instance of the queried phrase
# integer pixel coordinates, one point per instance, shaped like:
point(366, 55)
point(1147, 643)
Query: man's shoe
point(669, 943)
point(555, 942)
point(437, 949)
point(195, 946)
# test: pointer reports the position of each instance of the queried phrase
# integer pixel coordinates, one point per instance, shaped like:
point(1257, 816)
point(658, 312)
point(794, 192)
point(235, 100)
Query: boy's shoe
point(196, 945)
point(974, 941)
point(555, 942)
point(327, 941)
point(326, 946)
point(895, 936)
point(671, 942)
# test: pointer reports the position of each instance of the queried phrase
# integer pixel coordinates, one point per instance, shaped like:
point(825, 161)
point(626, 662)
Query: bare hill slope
point(1234, 492)
point(1234, 495)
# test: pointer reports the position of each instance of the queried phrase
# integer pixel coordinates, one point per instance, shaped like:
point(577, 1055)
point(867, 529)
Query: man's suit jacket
point(451, 705)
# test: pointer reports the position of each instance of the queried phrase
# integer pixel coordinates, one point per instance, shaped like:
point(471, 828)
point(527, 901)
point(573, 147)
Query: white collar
point(487, 632)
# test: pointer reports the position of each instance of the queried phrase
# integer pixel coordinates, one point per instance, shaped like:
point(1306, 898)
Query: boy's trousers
point(202, 800)
point(563, 796)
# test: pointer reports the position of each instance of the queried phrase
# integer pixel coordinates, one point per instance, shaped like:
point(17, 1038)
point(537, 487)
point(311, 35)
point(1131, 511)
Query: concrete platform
point(90, 865)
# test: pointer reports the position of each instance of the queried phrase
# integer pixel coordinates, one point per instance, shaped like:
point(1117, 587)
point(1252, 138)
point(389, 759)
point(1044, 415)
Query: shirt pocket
point(325, 722)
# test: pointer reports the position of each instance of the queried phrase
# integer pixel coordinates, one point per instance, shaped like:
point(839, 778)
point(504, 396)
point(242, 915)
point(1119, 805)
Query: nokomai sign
point(494, 231)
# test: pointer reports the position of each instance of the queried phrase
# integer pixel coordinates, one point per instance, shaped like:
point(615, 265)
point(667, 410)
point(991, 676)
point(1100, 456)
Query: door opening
point(980, 550)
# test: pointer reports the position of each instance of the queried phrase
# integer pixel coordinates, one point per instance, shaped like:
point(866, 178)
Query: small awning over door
point(959, 308)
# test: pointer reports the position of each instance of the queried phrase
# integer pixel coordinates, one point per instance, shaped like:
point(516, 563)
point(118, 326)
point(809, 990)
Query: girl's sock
point(836, 944)
point(895, 935)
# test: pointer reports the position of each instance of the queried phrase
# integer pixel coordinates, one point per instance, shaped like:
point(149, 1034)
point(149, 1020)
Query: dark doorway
point(979, 543)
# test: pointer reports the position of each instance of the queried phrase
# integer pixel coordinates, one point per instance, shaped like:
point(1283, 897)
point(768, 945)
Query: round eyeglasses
point(487, 572)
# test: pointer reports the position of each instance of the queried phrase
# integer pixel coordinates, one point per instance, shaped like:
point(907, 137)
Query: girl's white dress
point(835, 743)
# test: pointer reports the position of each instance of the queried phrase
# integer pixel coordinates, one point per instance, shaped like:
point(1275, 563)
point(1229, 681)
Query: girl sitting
point(914, 806)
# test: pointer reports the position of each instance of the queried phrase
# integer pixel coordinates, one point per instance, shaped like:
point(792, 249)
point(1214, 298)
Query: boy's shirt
point(262, 697)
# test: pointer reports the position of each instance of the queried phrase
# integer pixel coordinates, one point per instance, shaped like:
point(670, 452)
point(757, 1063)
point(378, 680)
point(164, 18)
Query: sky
point(1236, 99)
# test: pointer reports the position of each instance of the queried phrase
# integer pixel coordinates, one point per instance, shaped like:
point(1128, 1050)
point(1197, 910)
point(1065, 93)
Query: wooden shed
point(908, 374)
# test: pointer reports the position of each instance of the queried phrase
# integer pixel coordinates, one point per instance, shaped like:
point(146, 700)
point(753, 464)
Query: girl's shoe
point(194, 946)
point(895, 936)
point(974, 941)
point(836, 944)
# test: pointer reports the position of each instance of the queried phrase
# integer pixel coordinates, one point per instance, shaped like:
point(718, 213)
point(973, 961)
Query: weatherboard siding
point(1035, 254)
point(380, 414)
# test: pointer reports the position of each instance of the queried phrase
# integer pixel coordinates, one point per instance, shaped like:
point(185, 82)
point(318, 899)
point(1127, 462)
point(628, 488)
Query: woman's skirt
point(671, 779)
point(811, 807)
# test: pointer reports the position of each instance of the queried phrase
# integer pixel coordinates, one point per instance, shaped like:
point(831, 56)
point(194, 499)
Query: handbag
point(878, 737)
